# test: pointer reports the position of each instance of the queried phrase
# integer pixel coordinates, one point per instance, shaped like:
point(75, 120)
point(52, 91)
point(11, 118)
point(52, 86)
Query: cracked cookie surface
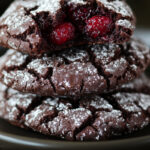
point(77, 71)
point(95, 118)
point(42, 26)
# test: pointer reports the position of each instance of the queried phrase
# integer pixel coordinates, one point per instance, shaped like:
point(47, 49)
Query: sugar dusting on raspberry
point(98, 26)
point(63, 33)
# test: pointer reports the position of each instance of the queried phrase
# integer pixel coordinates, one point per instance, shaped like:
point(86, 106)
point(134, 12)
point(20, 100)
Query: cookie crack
point(99, 69)
point(49, 77)
point(21, 116)
point(144, 111)
point(126, 115)
point(87, 123)
point(82, 86)
point(34, 73)
point(53, 85)
point(37, 21)
point(137, 62)
point(21, 67)
point(129, 69)
point(23, 36)
point(90, 121)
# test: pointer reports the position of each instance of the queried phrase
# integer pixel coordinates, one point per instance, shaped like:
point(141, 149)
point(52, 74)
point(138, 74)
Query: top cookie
point(39, 26)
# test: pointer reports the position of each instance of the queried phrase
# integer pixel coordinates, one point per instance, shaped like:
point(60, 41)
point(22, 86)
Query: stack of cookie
point(73, 70)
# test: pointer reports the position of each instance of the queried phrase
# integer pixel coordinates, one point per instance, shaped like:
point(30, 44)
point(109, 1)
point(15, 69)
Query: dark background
point(140, 7)
point(142, 11)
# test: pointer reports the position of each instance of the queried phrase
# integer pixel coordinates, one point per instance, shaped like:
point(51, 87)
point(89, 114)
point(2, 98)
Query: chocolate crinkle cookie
point(76, 71)
point(90, 118)
point(39, 26)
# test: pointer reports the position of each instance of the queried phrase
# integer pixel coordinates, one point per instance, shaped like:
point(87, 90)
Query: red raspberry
point(98, 26)
point(63, 33)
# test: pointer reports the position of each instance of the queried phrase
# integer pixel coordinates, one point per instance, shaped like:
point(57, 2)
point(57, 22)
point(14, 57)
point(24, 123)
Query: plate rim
point(57, 144)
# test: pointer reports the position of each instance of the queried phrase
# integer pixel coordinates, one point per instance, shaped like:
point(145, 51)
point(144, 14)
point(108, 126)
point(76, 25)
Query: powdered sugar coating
point(127, 102)
point(125, 23)
point(117, 6)
point(117, 66)
point(13, 59)
point(26, 25)
point(96, 103)
point(38, 114)
point(51, 6)
point(17, 20)
point(76, 2)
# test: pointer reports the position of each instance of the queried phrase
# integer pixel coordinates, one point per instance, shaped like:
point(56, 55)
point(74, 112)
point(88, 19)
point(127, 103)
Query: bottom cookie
point(92, 118)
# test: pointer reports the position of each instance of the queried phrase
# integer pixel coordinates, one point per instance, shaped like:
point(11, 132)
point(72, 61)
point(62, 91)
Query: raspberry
point(63, 33)
point(98, 26)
